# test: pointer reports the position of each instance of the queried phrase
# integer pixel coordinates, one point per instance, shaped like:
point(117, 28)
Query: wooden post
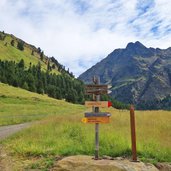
point(96, 110)
point(133, 133)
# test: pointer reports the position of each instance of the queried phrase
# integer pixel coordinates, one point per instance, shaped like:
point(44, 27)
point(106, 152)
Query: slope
point(137, 74)
point(31, 55)
point(25, 66)
point(18, 105)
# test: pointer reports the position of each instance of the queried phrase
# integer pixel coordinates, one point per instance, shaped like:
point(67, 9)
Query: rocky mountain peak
point(138, 48)
point(138, 74)
point(137, 44)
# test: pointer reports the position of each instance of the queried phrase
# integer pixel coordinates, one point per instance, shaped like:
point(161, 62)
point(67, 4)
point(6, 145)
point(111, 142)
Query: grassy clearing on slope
point(63, 135)
point(18, 105)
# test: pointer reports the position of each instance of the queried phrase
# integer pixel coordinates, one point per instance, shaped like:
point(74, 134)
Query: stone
point(87, 163)
point(164, 166)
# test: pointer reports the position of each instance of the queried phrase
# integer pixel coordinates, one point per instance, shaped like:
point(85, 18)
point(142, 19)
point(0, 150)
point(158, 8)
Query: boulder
point(87, 163)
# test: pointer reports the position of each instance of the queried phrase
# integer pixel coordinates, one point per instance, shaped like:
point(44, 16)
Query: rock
point(107, 157)
point(164, 166)
point(87, 163)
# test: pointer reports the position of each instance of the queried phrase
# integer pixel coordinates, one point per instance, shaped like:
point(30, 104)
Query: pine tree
point(21, 64)
point(20, 45)
point(42, 55)
point(25, 86)
point(12, 42)
point(39, 50)
point(32, 52)
point(48, 66)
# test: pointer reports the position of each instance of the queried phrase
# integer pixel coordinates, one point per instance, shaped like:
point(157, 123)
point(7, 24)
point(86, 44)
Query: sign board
point(91, 114)
point(98, 103)
point(96, 89)
point(98, 86)
point(96, 120)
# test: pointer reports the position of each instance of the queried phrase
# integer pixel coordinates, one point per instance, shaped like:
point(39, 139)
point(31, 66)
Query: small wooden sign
point(98, 103)
point(102, 86)
point(92, 114)
point(96, 89)
point(96, 120)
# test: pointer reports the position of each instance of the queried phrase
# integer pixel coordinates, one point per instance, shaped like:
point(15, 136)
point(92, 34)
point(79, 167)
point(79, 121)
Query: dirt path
point(6, 131)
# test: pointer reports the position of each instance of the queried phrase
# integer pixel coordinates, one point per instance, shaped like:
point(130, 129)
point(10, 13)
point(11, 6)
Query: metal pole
point(96, 110)
point(133, 134)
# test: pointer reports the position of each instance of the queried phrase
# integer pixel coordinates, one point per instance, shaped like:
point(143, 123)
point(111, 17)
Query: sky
point(80, 33)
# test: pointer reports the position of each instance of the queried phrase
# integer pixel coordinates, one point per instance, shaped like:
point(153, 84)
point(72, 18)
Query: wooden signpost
point(96, 116)
point(133, 134)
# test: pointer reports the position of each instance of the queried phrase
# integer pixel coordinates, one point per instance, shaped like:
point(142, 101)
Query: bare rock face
point(138, 75)
point(87, 163)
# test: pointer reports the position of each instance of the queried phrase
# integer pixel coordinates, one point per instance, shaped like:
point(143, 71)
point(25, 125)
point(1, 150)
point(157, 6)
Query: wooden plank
point(97, 89)
point(96, 120)
point(88, 92)
point(98, 103)
point(91, 114)
point(96, 86)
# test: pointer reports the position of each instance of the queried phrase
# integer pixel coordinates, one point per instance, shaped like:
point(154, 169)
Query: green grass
point(12, 53)
point(61, 132)
point(18, 105)
point(64, 135)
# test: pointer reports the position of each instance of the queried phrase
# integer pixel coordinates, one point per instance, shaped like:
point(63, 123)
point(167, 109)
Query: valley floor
point(58, 131)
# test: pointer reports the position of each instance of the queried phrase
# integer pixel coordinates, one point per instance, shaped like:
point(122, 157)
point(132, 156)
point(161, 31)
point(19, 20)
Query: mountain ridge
point(137, 74)
point(30, 54)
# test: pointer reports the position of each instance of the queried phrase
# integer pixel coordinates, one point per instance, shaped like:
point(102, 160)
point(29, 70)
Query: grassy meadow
point(18, 105)
point(61, 133)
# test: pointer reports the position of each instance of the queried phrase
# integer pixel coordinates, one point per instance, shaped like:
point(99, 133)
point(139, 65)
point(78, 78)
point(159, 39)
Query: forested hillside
point(25, 66)
point(34, 79)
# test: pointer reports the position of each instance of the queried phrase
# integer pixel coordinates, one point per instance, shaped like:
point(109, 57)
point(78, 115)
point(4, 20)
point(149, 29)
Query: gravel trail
point(6, 131)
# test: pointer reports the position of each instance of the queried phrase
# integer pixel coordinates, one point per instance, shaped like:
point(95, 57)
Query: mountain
point(25, 66)
point(138, 74)
point(11, 51)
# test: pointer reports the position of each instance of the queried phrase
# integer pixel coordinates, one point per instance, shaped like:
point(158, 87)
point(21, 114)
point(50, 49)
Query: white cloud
point(79, 33)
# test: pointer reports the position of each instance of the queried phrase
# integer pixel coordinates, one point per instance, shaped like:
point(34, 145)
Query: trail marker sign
point(97, 89)
point(94, 114)
point(96, 120)
point(98, 104)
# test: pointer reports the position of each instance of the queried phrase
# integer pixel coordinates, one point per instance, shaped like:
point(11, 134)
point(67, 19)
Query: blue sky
point(79, 33)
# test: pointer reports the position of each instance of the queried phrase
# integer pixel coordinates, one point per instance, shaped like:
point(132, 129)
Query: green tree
point(32, 52)
point(20, 45)
point(25, 86)
point(42, 55)
point(40, 87)
point(2, 36)
point(51, 90)
point(21, 64)
point(39, 50)
point(12, 42)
